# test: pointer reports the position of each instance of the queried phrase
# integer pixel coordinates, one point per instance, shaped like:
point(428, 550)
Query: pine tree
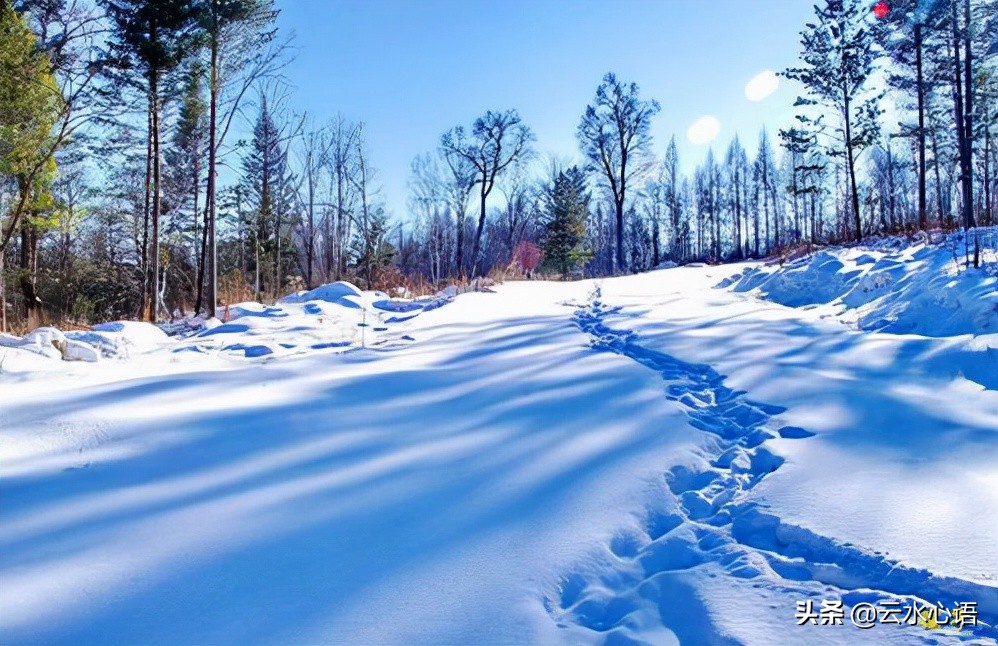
point(671, 179)
point(268, 182)
point(154, 37)
point(370, 249)
point(764, 177)
point(567, 210)
point(184, 162)
point(838, 55)
point(905, 33)
point(30, 104)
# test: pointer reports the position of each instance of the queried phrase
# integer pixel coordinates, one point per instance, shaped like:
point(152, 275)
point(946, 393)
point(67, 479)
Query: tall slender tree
point(838, 56)
point(497, 140)
point(615, 136)
point(153, 37)
point(237, 34)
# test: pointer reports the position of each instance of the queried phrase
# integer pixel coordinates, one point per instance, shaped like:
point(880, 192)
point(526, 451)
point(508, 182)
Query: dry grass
point(233, 288)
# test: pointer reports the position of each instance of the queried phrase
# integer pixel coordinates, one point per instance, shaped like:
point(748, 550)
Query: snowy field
point(685, 456)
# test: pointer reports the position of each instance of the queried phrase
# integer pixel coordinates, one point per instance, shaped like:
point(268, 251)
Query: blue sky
point(411, 69)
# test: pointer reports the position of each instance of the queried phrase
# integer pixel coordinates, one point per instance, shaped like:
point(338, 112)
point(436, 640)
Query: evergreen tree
point(567, 211)
point(906, 35)
point(670, 174)
point(153, 37)
point(838, 55)
point(369, 248)
point(184, 161)
point(764, 178)
point(269, 197)
point(30, 105)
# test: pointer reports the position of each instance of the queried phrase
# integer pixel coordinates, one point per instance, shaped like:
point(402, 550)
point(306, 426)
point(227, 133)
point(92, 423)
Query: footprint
point(602, 613)
point(672, 552)
point(682, 479)
point(660, 524)
point(625, 544)
point(571, 590)
point(795, 433)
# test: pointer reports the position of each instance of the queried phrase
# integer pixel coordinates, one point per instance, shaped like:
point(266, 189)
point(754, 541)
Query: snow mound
point(52, 343)
point(335, 316)
point(330, 293)
point(121, 339)
point(924, 289)
point(252, 308)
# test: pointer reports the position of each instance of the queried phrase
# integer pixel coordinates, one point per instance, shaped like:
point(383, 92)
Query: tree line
point(124, 191)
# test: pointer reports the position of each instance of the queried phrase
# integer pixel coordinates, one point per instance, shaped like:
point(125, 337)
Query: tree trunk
point(987, 178)
point(851, 162)
point(963, 93)
point(210, 189)
point(145, 213)
point(202, 264)
point(618, 205)
point(968, 124)
point(156, 203)
point(310, 243)
point(3, 295)
point(478, 233)
point(923, 221)
point(28, 270)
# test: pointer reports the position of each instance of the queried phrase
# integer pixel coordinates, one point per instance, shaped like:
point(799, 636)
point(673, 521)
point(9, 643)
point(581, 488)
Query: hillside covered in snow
point(691, 455)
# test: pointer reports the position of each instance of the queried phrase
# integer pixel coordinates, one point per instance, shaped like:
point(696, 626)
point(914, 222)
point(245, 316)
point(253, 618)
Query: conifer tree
point(236, 33)
point(270, 194)
point(30, 104)
point(838, 59)
point(153, 37)
point(567, 206)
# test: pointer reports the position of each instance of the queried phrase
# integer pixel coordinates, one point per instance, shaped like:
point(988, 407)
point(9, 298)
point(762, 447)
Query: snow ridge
point(715, 523)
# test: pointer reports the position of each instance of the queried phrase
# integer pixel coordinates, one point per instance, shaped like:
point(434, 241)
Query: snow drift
point(922, 289)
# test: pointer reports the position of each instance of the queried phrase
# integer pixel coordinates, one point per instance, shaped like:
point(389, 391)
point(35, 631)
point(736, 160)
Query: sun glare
point(703, 131)
point(761, 85)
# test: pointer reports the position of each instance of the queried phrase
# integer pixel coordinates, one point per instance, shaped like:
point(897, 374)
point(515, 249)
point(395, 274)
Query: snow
point(661, 458)
point(920, 289)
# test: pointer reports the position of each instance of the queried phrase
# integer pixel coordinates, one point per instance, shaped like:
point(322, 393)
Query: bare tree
point(342, 164)
point(497, 140)
point(615, 135)
point(313, 159)
point(241, 52)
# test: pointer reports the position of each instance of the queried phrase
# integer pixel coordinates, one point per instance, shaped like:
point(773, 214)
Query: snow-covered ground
point(659, 458)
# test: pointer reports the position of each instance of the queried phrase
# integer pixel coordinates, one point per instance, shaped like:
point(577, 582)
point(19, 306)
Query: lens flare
point(761, 85)
point(703, 131)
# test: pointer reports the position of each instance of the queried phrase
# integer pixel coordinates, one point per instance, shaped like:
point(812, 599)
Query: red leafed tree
point(527, 256)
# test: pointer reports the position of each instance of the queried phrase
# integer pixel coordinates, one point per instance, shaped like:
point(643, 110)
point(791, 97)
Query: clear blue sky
point(411, 69)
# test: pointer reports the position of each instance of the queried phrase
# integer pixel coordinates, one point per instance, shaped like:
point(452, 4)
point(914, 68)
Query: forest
point(127, 190)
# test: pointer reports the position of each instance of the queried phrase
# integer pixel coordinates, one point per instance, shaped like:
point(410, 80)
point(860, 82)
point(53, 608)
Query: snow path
point(494, 480)
point(714, 523)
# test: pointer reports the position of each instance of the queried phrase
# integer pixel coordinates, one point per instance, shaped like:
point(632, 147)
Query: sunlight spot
point(703, 131)
point(761, 85)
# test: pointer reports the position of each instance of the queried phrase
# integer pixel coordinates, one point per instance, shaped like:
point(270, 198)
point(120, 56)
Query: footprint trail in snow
point(712, 523)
